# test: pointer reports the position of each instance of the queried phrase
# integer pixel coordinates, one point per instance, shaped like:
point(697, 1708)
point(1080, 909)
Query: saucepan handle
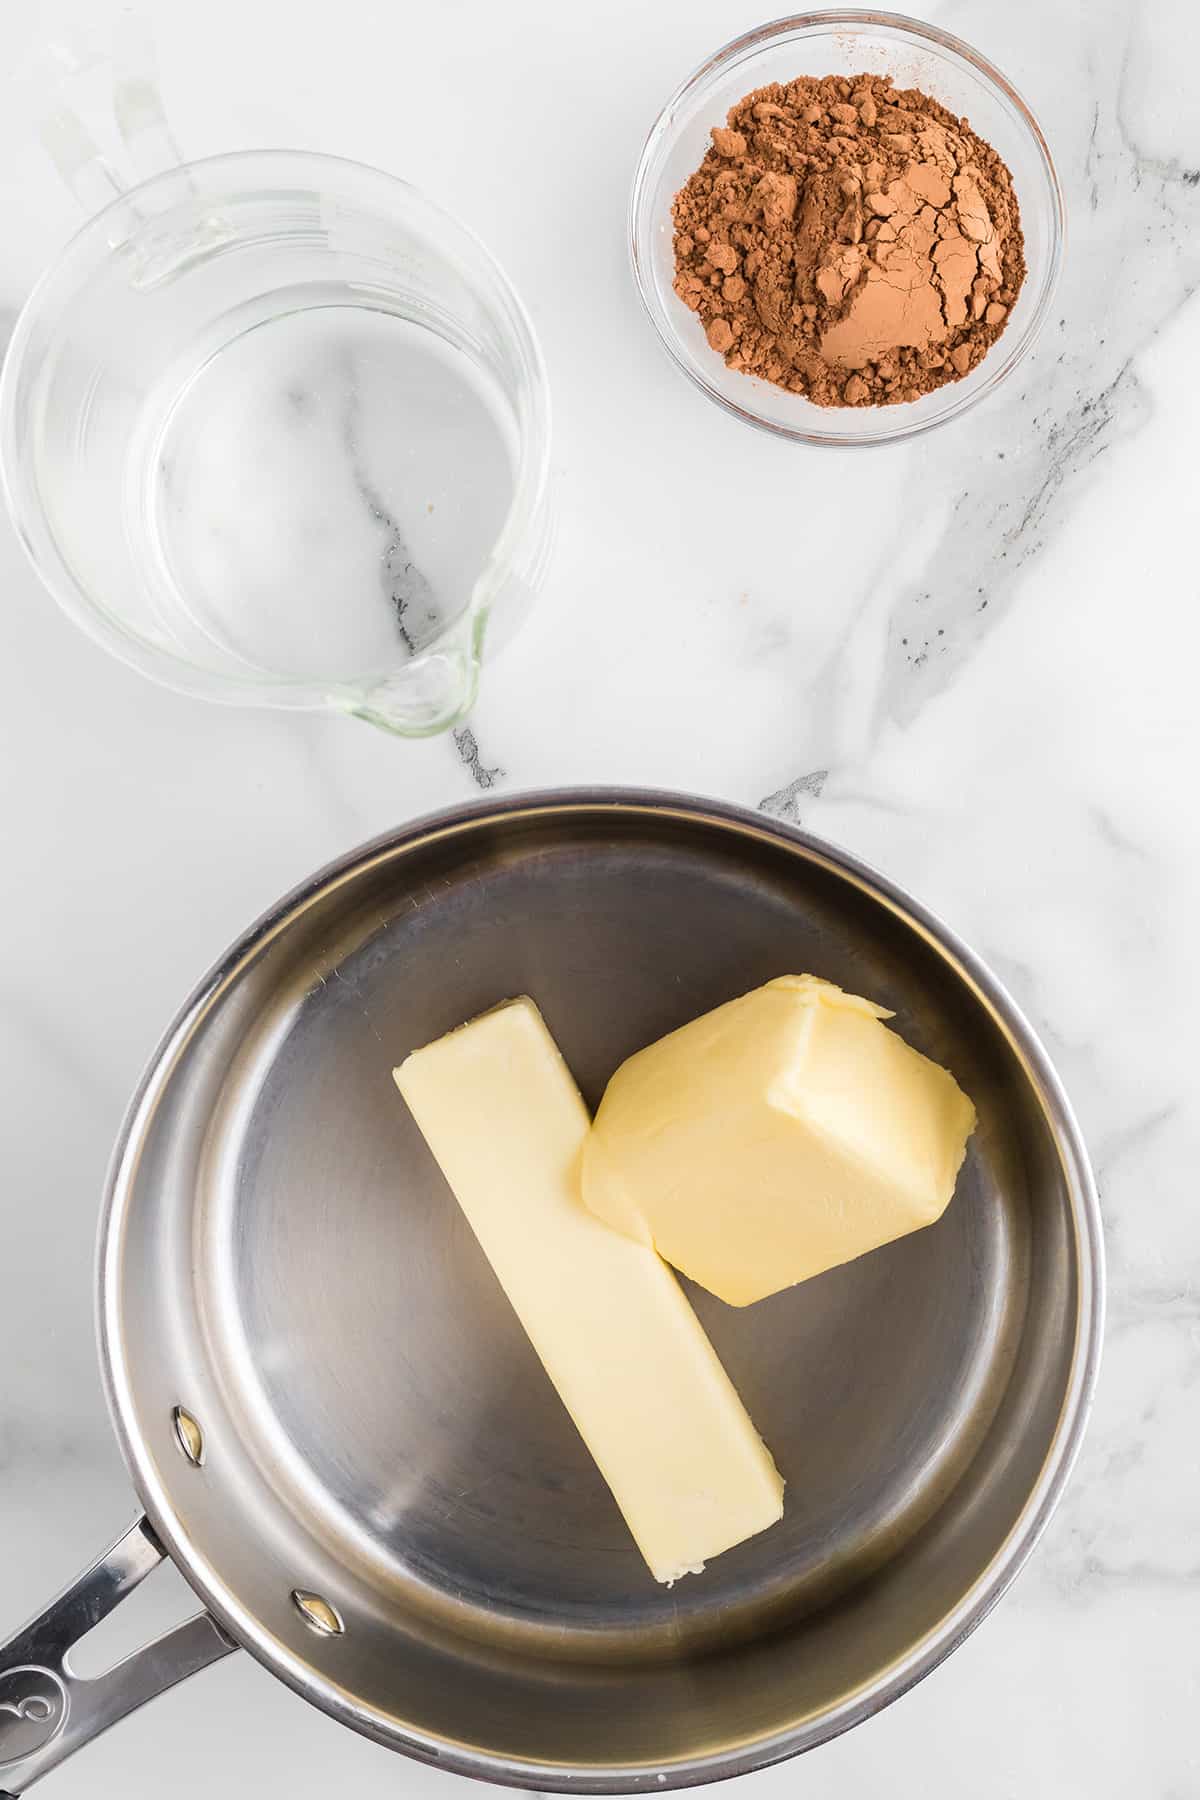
point(46, 1709)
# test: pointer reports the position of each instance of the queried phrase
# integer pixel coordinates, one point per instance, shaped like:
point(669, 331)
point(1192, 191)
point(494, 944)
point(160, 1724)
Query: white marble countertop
point(970, 660)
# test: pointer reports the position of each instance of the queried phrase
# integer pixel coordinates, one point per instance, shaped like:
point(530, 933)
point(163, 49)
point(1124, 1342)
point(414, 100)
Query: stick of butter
point(775, 1137)
point(505, 1121)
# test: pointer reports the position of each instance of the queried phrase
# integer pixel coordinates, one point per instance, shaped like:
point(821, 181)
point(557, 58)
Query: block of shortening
point(503, 1117)
point(777, 1136)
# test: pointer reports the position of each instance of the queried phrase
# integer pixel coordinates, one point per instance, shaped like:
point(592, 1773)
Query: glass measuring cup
point(274, 429)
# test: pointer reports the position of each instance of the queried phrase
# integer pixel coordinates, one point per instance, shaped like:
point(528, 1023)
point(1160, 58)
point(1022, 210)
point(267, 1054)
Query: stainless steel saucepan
point(340, 1434)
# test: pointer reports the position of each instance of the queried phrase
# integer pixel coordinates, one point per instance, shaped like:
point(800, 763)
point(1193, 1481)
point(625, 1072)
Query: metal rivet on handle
point(188, 1436)
point(317, 1614)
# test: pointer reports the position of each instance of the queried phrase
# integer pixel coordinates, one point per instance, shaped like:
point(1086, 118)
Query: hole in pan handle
point(47, 1710)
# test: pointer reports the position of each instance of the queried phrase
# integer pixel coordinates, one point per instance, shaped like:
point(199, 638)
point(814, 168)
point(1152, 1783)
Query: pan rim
point(923, 1656)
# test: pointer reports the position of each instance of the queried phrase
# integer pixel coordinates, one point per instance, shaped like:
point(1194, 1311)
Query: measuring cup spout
point(427, 696)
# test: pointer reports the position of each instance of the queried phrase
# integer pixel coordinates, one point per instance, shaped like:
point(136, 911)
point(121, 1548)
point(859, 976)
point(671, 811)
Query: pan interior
point(377, 1428)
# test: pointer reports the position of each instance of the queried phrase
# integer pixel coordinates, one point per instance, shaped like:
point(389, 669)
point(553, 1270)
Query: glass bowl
point(843, 43)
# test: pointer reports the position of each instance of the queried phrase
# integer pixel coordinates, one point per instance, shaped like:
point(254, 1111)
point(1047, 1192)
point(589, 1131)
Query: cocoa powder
point(849, 240)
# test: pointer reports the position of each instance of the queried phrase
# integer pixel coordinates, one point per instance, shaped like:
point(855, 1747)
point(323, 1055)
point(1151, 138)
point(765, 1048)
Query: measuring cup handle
point(44, 80)
point(47, 1711)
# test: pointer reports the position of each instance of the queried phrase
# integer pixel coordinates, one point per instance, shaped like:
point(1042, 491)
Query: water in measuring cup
point(322, 493)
